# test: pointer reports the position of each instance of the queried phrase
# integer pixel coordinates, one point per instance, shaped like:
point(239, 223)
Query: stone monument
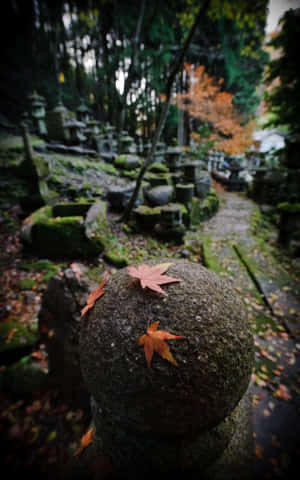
point(193, 418)
point(38, 113)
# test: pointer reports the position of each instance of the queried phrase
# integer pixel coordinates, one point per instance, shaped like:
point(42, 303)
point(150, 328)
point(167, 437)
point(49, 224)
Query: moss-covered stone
point(96, 221)
point(13, 336)
point(115, 259)
point(69, 209)
point(172, 405)
point(15, 142)
point(67, 236)
point(202, 210)
point(158, 167)
point(147, 216)
point(127, 161)
point(158, 179)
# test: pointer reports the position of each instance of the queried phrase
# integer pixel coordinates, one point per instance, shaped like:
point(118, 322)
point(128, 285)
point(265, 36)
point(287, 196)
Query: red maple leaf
point(154, 341)
point(94, 295)
point(85, 441)
point(152, 277)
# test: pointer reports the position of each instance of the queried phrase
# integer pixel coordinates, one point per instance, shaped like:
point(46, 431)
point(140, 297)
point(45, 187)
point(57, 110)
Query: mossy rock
point(131, 173)
point(24, 377)
point(67, 236)
point(69, 209)
point(15, 142)
point(158, 179)
point(202, 210)
point(64, 237)
point(147, 216)
point(15, 339)
point(115, 259)
point(128, 162)
point(158, 167)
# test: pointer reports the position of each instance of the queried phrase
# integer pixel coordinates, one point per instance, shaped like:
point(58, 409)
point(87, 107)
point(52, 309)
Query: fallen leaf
point(85, 441)
point(154, 341)
point(11, 334)
point(94, 295)
point(283, 392)
point(152, 277)
point(259, 451)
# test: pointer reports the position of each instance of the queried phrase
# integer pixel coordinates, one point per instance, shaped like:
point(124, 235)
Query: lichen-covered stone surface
point(215, 357)
point(59, 320)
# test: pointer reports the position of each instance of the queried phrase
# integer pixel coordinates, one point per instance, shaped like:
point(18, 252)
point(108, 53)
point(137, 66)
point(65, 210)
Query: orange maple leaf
point(152, 277)
point(94, 295)
point(85, 441)
point(154, 341)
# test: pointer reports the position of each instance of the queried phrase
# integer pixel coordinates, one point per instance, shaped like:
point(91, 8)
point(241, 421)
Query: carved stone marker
point(192, 418)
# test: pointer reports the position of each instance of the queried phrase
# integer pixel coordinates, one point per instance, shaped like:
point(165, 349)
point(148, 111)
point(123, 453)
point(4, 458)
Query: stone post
point(194, 418)
point(27, 144)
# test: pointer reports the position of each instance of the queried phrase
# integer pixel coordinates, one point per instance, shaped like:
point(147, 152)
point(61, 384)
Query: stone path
point(271, 297)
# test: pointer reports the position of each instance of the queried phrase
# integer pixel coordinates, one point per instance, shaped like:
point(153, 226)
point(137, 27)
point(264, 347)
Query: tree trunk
point(133, 61)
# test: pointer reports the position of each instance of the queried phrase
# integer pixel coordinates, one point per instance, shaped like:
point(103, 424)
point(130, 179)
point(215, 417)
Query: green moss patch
point(15, 142)
point(210, 260)
point(26, 284)
point(158, 167)
point(202, 210)
point(116, 259)
point(49, 268)
point(13, 335)
point(64, 236)
point(289, 207)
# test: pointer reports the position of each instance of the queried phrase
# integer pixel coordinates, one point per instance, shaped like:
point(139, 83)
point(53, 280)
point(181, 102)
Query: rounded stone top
point(214, 358)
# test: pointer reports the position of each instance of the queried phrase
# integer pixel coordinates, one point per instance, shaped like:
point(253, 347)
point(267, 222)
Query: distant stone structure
point(56, 124)
point(38, 113)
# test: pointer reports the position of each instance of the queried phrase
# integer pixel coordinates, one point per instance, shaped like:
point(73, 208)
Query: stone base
point(237, 461)
point(223, 453)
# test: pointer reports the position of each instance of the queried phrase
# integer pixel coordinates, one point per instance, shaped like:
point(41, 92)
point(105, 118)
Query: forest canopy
point(116, 55)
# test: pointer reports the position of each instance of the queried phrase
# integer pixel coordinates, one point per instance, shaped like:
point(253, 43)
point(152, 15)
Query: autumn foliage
point(154, 341)
point(206, 101)
point(94, 295)
point(152, 277)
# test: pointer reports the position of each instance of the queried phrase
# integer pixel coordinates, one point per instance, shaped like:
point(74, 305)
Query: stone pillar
point(194, 418)
point(28, 150)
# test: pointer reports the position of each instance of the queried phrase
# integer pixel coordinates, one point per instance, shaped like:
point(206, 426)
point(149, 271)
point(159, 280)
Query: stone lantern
point(173, 158)
point(83, 113)
point(55, 121)
point(38, 112)
point(193, 418)
point(170, 226)
point(127, 144)
point(74, 132)
point(193, 172)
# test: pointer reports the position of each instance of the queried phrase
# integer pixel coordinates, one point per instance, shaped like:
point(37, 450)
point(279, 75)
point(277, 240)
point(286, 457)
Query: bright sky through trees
point(276, 10)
